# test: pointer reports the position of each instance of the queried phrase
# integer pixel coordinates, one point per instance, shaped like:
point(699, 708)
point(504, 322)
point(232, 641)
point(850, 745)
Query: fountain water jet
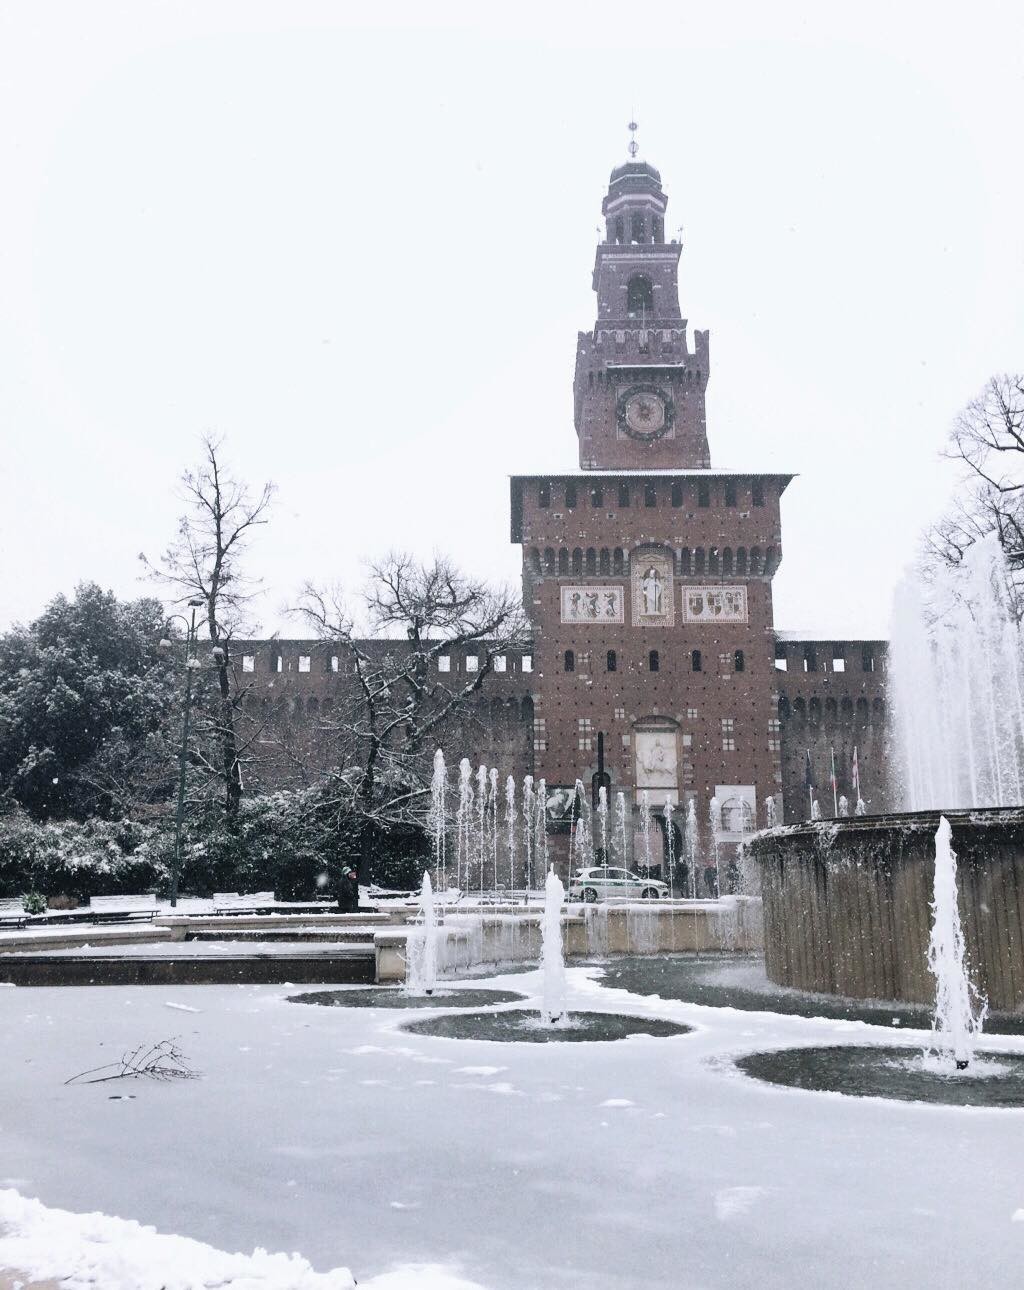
point(552, 955)
point(956, 1024)
point(421, 947)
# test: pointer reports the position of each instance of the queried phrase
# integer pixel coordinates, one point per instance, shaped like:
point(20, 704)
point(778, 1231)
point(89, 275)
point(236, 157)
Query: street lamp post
point(179, 815)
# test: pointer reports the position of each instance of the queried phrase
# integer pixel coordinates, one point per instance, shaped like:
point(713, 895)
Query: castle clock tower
point(639, 390)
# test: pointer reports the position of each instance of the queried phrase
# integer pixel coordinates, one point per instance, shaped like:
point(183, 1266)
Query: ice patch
point(730, 1202)
point(617, 1101)
point(479, 1070)
point(181, 1007)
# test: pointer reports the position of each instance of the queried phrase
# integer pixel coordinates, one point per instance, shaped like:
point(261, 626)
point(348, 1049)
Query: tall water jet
point(492, 812)
point(421, 946)
point(541, 813)
point(957, 658)
point(464, 824)
point(693, 844)
point(645, 831)
point(769, 812)
point(481, 822)
point(602, 821)
point(552, 954)
point(670, 846)
point(437, 818)
point(715, 821)
point(956, 1023)
point(510, 832)
point(528, 827)
point(620, 852)
point(584, 829)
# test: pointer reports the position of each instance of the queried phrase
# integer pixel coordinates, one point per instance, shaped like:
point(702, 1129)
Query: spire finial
point(633, 147)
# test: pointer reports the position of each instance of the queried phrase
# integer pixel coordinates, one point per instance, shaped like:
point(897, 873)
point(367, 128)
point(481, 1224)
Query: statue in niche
point(653, 592)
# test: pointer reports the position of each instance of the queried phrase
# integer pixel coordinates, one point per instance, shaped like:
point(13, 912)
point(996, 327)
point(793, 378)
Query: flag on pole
point(835, 783)
point(808, 773)
point(856, 775)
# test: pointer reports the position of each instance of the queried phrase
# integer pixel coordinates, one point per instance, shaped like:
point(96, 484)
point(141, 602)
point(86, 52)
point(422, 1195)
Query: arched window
point(535, 560)
point(757, 492)
point(686, 561)
point(650, 495)
point(604, 561)
point(549, 559)
point(698, 560)
point(544, 495)
point(814, 711)
point(800, 710)
point(639, 297)
point(755, 559)
point(783, 708)
point(696, 662)
point(831, 710)
point(677, 494)
point(577, 560)
point(570, 495)
point(878, 711)
point(591, 560)
point(846, 710)
point(612, 661)
point(623, 495)
point(739, 663)
point(703, 493)
point(713, 560)
point(741, 561)
point(618, 560)
point(636, 231)
point(570, 661)
point(727, 562)
point(737, 815)
point(563, 560)
point(597, 495)
point(653, 660)
point(862, 711)
point(730, 492)
point(620, 230)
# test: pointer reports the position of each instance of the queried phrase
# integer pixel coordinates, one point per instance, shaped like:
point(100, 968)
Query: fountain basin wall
point(846, 903)
point(511, 934)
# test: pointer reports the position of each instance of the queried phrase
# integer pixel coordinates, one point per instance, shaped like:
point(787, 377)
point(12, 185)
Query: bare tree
point(205, 564)
point(399, 704)
point(987, 439)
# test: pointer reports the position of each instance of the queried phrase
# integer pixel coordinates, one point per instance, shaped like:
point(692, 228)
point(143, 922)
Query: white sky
point(357, 240)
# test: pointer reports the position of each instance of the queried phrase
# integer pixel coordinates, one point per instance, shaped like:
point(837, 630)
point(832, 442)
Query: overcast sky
point(357, 240)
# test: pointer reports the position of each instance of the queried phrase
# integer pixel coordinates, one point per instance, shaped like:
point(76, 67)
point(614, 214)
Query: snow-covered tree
point(87, 698)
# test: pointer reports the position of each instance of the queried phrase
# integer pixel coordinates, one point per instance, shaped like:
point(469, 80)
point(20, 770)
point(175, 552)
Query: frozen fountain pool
point(994, 1079)
point(524, 1026)
point(390, 996)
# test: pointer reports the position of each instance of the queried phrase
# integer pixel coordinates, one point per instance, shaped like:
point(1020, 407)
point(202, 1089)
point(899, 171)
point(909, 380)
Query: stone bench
point(232, 902)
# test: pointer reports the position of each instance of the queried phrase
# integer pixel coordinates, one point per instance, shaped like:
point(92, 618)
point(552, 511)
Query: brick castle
point(655, 665)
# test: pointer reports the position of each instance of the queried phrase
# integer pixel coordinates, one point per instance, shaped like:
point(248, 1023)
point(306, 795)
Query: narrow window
point(527, 664)
point(703, 493)
point(757, 492)
point(810, 659)
point(620, 231)
point(472, 663)
point(623, 495)
point(637, 228)
point(570, 661)
point(677, 494)
point(653, 660)
point(544, 495)
point(303, 662)
point(334, 663)
point(639, 297)
point(500, 663)
point(781, 662)
point(444, 662)
point(597, 496)
point(278, 663)
point(867, 659)
point(695, 661)
point(612, 661)
point(838, 661)
point(650, 495)
point(730, 492)
point(570, 496)
point(739, 662)
point(248, 662)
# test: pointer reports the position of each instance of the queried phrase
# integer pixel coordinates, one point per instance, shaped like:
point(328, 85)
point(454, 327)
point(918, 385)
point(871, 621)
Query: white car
point(603, 883)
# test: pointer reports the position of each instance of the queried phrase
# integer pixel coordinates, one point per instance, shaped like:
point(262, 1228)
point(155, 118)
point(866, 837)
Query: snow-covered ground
point(645, 1163)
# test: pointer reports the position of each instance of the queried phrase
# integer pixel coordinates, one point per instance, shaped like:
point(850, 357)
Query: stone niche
point(656, 765)
point(847, 904)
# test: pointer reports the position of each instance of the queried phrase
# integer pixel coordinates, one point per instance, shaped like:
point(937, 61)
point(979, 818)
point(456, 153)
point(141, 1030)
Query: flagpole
point(835, 791)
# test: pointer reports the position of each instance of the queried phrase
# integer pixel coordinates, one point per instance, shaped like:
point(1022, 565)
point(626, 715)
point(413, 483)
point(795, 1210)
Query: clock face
point(645, 412)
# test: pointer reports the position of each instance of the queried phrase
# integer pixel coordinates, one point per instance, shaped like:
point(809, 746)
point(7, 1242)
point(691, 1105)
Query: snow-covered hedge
point(94, 858)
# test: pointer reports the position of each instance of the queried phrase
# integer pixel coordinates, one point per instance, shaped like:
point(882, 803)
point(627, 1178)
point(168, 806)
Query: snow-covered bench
point(231, 902)
point(12, 913)
point(122, 907)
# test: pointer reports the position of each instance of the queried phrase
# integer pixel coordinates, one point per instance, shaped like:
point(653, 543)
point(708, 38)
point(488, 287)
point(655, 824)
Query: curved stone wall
point(847, 903)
